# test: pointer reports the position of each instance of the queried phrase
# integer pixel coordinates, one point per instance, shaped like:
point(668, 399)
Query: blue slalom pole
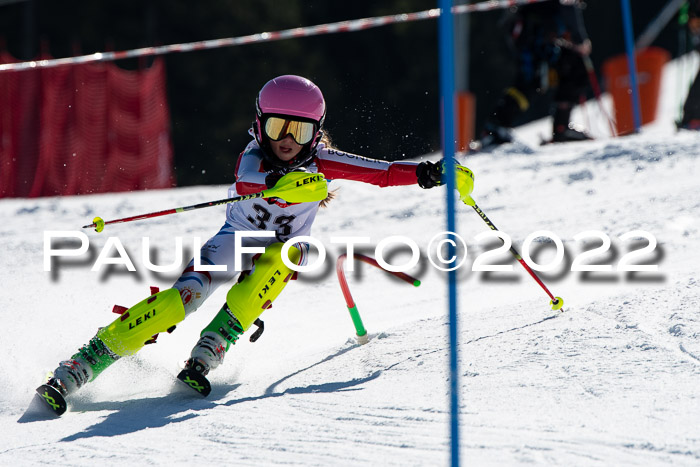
point(631, 62)
point(447, 97)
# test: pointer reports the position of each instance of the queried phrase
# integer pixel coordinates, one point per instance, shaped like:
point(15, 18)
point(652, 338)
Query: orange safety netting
point(90, 128)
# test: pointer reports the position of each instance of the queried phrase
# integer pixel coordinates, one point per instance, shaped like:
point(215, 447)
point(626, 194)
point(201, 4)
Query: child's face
point(286, 149)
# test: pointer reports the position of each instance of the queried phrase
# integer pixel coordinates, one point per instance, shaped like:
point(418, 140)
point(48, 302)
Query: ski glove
point(273, 177)
point(430, 174)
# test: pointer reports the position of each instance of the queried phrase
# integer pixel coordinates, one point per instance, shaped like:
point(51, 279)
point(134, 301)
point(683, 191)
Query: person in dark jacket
point(691, 108)
point(548, 40)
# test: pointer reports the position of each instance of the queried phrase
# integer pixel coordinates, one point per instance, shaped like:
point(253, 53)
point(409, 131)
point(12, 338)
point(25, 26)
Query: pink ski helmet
point(290, 98)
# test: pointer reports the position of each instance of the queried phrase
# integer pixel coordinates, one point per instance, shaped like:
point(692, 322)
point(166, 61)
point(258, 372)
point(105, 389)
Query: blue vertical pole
point(631, 62)
point(447, 97)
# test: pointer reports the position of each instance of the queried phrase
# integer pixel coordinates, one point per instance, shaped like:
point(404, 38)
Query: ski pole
point(681, 88)
point(584, 110)
point(556, 302)
point(592, 78)
point(654, 28)
point(294, 187)
point(596, 90)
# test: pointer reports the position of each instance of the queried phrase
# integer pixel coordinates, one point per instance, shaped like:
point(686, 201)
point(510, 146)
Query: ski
point(49, 397)
point(515, 146)
point(52, 398)
point(195, 381)
point(547, 142)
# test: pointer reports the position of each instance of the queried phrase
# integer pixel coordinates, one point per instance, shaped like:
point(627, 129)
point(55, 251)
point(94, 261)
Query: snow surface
point(614, 380)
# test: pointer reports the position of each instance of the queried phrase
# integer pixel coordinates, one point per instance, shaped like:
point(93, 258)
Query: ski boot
point(72, 374)
point(569, 134)
point(562, 129)
point(210, 350)
point(248, 298)
point(84, 366)
point(494, 135)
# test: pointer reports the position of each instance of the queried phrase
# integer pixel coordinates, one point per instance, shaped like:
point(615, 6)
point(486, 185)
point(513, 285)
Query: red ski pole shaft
point(597, 92)
point(99, 224)
point(556, 301)
point(294, 187)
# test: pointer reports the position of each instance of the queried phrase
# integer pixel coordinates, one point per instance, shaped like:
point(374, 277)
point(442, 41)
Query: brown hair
point(326, 139)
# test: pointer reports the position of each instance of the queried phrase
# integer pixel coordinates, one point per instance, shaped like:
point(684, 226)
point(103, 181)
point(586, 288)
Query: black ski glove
point(272, 178)
point(429, 174)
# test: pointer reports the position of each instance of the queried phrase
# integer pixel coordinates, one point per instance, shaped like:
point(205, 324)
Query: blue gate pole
point(631, 62)
point(447, 98)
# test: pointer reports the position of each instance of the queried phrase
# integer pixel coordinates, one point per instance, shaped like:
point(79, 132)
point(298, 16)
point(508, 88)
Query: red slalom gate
point(362, 337)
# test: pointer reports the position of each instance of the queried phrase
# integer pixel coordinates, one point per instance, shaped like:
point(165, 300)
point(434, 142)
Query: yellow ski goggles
point(277, 128)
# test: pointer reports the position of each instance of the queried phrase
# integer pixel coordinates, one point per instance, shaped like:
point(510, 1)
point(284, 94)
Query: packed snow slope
point(613, 380)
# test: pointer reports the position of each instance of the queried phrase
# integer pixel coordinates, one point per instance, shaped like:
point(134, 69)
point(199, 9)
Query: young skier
point(288, 139)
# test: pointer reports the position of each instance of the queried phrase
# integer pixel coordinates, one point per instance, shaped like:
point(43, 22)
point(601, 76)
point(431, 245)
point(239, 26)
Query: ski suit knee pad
point(255, 292)
point(139, 324)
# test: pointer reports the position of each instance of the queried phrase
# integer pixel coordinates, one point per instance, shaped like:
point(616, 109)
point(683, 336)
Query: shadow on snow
point(136, 415)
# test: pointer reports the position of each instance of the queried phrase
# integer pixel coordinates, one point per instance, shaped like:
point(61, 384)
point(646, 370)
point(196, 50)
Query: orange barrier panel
point(466, 104)
point(650, 63)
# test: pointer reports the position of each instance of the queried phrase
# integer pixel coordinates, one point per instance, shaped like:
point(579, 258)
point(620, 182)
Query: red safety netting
point(81, 129)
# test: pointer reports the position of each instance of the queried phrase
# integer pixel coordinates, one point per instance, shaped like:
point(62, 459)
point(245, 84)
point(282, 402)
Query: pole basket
point(361, 332)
